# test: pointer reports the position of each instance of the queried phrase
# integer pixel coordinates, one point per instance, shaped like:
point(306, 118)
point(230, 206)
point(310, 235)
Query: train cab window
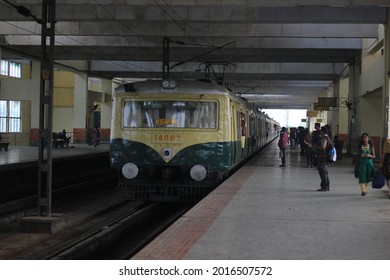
point(175, 114)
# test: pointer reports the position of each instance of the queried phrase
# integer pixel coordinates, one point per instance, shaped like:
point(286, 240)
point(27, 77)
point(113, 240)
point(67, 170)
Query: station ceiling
point(275, 53)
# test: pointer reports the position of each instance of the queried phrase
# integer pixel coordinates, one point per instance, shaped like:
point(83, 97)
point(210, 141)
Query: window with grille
point(11, 69)
point(10, 116)
point(4, 67)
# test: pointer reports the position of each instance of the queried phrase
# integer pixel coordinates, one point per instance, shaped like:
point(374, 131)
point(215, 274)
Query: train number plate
point(173, 138)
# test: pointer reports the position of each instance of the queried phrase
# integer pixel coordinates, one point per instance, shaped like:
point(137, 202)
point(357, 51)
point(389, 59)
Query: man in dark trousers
point(282, 144)
point(321, 158)
point(315, 139)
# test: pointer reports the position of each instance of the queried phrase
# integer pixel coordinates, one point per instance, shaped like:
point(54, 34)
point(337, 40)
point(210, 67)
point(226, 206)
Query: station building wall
point(70, 112)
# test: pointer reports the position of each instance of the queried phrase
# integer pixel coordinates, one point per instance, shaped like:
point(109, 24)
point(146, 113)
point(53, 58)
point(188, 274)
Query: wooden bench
point(4, 146)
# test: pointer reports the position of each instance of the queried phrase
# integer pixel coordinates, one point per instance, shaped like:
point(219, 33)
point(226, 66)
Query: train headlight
point(130, 170)
point(198, 172)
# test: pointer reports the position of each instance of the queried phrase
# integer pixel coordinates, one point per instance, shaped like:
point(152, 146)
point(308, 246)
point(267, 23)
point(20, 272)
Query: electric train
point(177, 140)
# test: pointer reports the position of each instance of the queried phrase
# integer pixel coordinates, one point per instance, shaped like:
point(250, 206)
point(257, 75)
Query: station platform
point(27, 154)
point(272, 213)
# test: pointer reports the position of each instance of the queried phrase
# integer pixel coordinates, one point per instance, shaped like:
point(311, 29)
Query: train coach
point(176, 140)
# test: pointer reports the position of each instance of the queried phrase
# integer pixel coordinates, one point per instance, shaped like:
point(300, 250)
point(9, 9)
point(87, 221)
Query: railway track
point(99, 224)
point(113, 228)
point(114, 233)
point(25, 204)
point(122, 236)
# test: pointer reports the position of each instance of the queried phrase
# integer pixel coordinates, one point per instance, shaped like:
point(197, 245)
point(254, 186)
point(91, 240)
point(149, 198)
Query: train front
point(167, 143)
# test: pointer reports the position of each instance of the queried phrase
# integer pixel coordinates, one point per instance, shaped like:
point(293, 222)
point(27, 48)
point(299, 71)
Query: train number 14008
point(167, 138)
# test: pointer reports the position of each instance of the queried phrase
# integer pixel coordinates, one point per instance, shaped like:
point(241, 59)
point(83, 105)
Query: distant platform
point(17, 154)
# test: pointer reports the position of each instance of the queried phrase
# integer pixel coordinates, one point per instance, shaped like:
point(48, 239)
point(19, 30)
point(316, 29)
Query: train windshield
point(178, 114)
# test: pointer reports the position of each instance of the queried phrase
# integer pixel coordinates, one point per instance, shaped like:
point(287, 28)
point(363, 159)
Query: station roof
point(275, 53)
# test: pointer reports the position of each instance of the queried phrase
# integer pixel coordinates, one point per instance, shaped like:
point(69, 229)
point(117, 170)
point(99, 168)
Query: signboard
point(320, 108)
point(328, 102)
point(311, 114)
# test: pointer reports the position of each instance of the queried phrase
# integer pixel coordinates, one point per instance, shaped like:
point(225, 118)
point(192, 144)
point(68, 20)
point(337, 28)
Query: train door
point(233, 137)
point(258, 129)
point(239, 142)
point(263, 132)
point(252, 130)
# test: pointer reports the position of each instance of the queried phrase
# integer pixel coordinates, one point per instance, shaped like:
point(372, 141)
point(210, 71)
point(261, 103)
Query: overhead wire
point(172, 18)
point(185, 23)
point(118, 21)
point(175, 21)
point(24, 11)
point(114, 18)
point(107, 56)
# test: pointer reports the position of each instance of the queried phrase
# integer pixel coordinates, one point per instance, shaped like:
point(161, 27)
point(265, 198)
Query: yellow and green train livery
point(176, 140)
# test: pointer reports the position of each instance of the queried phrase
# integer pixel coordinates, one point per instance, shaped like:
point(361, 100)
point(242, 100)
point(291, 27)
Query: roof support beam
point(211, 13)
point(146, 29)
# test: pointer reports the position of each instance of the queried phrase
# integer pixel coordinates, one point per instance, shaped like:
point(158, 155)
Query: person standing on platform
point(364, 169)
point(96, 136)
point(308, 150)
point(319, 148)
point(315, 140)
point(301, 140)
point(65, 139)
point(385, 163)
point(282, 144)
point(293, 137)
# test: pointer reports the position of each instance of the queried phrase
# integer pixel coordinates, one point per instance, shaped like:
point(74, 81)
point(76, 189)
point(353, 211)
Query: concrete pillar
point(106, 110)
point(80, 108)
point(106, 103)
point(33, 95)
point(343, 109)
point(335, 114)
point(352, 117)
point(341, 92)
point(386, 87)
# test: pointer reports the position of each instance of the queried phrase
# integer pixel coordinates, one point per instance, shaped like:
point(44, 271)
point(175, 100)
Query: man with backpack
point(321, 155)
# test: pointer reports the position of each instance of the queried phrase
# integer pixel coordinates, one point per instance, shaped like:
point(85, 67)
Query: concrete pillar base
point(42, 224)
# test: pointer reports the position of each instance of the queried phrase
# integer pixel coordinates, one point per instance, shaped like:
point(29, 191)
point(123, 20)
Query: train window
point(178, 114)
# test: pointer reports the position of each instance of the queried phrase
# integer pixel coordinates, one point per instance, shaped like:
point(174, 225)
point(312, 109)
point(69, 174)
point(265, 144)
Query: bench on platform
point(59, 141)
point(4, 146)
